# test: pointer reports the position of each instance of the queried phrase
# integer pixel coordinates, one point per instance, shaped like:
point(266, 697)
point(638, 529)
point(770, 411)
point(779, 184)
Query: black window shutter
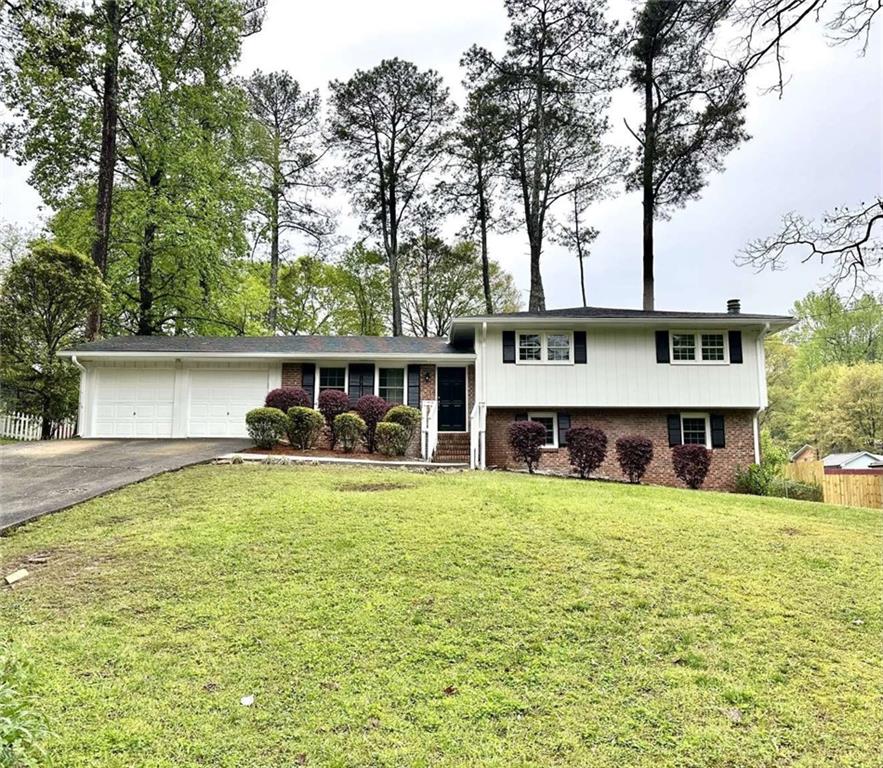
point(361, 381)
point(718, 439)
point(662, 355)
point(508, 346)
point(563, 428)
point(735, 346)
point(520, 417)
point(674, 429)
point(308, 379)
point(414, 386)
point(579, 346)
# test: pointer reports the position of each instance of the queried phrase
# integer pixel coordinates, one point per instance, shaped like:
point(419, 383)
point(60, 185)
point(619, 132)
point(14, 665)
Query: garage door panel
point(219, 400)
point(134, 402)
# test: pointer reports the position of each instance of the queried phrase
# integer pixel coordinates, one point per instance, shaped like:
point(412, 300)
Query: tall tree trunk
point(485, 259)
point(649, 158)
point(579, 246)
point(393, 258)
point(107, 157)
point(273, 312)
point(146, 323)
point(537, 301)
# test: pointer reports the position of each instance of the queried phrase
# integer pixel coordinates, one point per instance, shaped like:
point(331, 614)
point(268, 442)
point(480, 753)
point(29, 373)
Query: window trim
point(318, 384)
point(697, 345)
point(532, 415)
point(697, 415)
point(544, 347)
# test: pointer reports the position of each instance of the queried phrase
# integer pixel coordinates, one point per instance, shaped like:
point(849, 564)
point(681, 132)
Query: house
point(675, 377)
point(848, 463)
point(804, 454)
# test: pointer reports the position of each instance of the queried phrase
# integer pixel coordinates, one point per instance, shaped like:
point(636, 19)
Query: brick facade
point(427, 382)
point(739, 450)
point(292, 375)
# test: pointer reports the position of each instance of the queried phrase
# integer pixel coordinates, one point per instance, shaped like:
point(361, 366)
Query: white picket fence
point(24, 426)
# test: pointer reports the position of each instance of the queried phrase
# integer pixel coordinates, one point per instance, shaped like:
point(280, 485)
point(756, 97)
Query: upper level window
point(391, 385)
point(699, 347)
point(558, 346)
point(712, 346)
point(332, 378)
point(683, 346)
point(530, 346)
point(551, 347)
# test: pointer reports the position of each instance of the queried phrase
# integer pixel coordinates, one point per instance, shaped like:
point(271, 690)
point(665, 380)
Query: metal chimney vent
point(734, 306)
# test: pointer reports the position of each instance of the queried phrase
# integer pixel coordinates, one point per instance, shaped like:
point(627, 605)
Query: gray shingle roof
point(282, 345)
point(616, 312)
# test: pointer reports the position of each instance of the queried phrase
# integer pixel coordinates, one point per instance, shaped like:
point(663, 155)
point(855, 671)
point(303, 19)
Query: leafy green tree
point(781, 386)
point(831, 330)
point(286, 152)
point(44, 303)
point(553, 86)
point(391, 123)
point(441, 281)
point(364, 281)
point(693, 111)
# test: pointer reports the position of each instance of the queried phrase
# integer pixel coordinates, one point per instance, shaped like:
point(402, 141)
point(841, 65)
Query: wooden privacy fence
point(24, 426)
point(853, 489)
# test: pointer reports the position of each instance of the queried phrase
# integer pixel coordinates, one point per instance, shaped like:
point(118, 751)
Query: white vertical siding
point(622, 372)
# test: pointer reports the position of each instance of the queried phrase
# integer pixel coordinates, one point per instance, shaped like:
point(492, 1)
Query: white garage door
point(134, 402)
point(219, 400)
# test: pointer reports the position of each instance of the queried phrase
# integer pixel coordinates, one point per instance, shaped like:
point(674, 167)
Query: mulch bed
point(323, 453)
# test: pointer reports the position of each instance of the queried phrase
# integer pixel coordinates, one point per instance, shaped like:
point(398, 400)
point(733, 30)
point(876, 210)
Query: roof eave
point(86, 355)
point(774, 322)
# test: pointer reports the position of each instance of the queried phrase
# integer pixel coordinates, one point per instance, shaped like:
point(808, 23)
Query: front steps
point(452, 448)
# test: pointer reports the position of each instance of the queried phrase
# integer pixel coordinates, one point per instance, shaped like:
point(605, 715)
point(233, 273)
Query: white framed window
point(713, 347)
point(530, 347)
point(708, 347)
point(332, 378)
point(695, 429)
point(550, 423)
point(545, 347)
point(391, 385)
point(558, 347)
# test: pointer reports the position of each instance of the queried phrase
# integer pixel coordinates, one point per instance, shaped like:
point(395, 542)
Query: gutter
point(74, 360)
point(279, 356)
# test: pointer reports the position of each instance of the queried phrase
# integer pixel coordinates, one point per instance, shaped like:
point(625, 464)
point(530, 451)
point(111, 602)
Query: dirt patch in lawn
point(369, 487)
point(323, 453)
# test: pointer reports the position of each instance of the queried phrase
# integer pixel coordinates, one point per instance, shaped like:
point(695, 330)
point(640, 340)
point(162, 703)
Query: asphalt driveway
point(41, 477)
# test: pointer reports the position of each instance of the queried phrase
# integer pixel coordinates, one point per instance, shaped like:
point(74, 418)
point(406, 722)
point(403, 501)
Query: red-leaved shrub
point(372, 409)
point(634, 454)
point(587, 447)
point(284, 398)
point(332, 403)
point(526, 439)
point(691, 463)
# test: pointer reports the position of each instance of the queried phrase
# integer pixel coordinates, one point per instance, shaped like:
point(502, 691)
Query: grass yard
point(383, 618)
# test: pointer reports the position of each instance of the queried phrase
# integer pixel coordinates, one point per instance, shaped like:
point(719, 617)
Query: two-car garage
point(172, 401)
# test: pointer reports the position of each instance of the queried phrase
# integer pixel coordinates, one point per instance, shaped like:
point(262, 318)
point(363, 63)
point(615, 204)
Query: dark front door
point(361, 381)
point(451, 399)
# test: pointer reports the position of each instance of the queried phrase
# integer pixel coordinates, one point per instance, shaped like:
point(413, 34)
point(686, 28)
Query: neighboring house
point(857, 461)
point(675, 377)
point(804, 454)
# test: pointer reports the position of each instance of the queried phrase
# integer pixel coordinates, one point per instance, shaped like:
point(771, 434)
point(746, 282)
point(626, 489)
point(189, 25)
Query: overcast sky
point(818, 147)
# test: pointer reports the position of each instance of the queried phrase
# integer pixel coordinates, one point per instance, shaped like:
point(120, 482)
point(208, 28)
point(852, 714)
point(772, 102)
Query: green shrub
point(786, 488)
point(755, 479)
point(304, 426)
point(391, 439)
point(349, 429)
point(266, 426)
point(21, 728)
point(407, 417)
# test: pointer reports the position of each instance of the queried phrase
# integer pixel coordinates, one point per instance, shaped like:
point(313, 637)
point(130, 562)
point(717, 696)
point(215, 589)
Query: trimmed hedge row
point(381, 427)
point(587, 449)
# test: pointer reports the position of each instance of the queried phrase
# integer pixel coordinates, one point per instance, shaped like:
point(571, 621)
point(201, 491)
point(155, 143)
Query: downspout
point(761, 389)
point(482, 409)
point(81, 405)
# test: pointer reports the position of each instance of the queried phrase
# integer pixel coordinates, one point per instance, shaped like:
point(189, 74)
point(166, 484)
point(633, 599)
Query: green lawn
point(382, 618)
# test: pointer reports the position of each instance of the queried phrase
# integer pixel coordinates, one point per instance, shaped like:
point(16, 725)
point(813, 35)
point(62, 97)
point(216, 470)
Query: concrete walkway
point(46, 476)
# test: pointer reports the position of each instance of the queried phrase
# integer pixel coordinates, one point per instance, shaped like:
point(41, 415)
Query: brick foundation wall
point(292, 375)
point(739, 451)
